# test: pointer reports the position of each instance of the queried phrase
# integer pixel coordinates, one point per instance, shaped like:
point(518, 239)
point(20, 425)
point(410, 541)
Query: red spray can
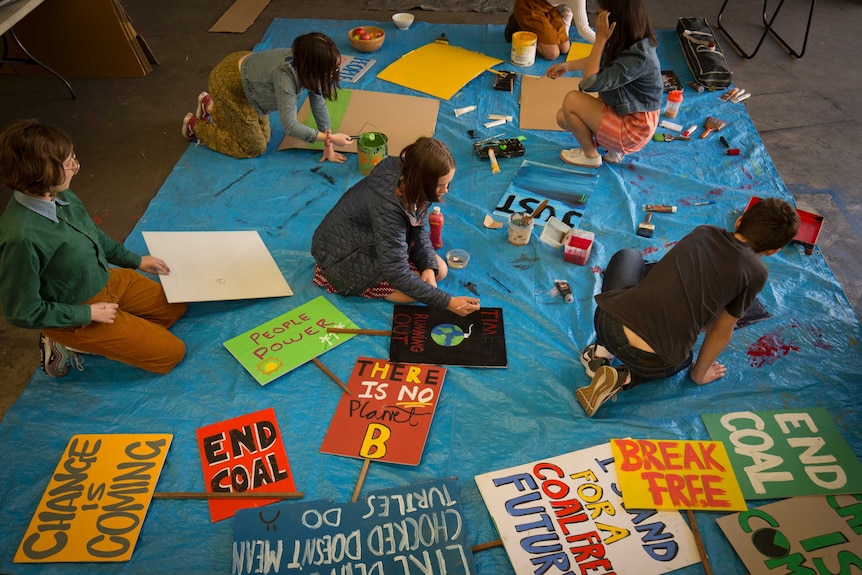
point(435, 223)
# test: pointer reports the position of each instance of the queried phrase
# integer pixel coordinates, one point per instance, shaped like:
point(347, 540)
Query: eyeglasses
point(72, 164)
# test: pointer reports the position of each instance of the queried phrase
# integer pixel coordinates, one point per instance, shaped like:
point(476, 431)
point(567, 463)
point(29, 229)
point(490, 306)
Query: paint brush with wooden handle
point(712, 124)
point(529, 219)
point(645, 228)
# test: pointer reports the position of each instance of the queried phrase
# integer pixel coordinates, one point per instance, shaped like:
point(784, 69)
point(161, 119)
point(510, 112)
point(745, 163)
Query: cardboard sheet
point(437, 69)
point(240, 16)
point(215, 266)
point(83, 38)
point(401, 118)
point(541, 97)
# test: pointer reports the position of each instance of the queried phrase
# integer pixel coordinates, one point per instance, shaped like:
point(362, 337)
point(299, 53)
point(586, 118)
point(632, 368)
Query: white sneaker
point(576, 157)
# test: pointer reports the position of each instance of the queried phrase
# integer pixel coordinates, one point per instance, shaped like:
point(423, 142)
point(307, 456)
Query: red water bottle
point(435, 222)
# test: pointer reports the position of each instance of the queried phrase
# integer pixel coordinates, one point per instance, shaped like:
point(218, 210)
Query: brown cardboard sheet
point(541, 97)
point(81, 38)
point(239, 17)
point(401, 118)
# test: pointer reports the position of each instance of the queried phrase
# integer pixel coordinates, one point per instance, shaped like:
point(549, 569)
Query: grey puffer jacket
point(368, 237)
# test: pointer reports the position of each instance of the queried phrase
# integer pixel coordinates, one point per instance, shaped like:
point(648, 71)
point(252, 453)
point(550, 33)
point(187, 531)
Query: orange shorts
point(627, 133)
point(542, 19)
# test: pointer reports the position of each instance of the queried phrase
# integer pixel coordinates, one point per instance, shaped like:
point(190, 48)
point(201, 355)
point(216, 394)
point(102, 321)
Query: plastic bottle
point(435, 222)
point(674, 99)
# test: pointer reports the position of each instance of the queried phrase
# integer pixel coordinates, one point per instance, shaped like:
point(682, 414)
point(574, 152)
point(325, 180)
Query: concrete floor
point(126, 131)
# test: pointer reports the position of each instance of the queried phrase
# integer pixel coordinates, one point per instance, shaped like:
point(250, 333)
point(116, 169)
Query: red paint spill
point(767, 349)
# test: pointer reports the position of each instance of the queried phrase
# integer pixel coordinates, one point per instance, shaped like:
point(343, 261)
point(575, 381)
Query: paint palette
point(809, 227)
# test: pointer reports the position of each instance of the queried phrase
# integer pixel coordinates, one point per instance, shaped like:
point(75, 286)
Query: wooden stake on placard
point(361, 480)
point(229, 495)
point(331, 375)
point(486, 545)
point(383, 332)
point(699, 542)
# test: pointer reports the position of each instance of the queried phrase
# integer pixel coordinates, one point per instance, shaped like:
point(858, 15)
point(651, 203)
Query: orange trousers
point(139, 335)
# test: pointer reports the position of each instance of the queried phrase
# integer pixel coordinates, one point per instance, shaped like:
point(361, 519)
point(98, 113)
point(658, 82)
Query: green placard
point(786, 453)
point(272, 349)
point(336, 108)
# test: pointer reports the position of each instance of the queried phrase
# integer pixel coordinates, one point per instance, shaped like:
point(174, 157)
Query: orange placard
point(95, 504)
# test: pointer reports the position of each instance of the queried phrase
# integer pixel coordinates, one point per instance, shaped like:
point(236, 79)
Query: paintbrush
point(529, 219)
point(712, 124)
point(645, 228)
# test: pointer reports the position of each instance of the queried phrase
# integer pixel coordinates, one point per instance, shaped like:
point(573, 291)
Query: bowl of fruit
point(366, 38)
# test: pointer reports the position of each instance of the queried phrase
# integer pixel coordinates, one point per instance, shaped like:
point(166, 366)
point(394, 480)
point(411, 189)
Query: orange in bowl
point(366, 38)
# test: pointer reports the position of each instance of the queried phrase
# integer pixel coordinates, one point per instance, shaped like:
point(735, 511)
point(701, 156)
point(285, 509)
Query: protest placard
point(785, 453)
point(676, 474)
point(97, 498)
point(388, 413)
point(243, 454)
point(565, 514)
point(411, 529)
point(294, 338)
point(799, 535)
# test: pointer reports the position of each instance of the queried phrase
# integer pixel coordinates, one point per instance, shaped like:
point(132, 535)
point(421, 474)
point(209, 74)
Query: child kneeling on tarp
point(375, 241)
point(649, 316)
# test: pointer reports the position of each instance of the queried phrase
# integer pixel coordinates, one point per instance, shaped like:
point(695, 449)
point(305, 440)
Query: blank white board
point(215, 266)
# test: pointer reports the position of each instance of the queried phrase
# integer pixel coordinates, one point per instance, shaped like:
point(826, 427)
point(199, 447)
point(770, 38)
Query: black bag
point(703, 53)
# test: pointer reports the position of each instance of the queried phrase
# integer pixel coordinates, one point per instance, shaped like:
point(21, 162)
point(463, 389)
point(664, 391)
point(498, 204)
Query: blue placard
point(418, 528)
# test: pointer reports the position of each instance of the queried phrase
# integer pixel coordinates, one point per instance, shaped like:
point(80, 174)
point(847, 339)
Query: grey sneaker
point(607, 382)
point(56, 359)
point(594, 356)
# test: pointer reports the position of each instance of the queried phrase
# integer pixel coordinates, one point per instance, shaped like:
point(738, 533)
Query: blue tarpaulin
point(805, 354)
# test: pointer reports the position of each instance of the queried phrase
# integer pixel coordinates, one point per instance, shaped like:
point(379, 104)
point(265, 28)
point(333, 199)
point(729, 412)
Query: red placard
point(242, 454)
point(388, 413)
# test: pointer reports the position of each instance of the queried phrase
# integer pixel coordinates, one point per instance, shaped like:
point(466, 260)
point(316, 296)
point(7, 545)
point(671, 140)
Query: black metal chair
point(767, 23)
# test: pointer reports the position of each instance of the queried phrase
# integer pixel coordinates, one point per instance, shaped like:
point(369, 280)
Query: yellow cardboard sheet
point(578, 50)
point(676, 474)
point(541, 97)
point(96, 501)
point(437, 69)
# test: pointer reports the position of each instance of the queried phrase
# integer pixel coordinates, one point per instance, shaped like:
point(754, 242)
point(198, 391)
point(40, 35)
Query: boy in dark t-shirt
point(649, 316)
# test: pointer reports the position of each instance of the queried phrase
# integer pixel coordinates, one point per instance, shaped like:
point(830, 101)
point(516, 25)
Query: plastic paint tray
point(809, 227)
point(555, 233)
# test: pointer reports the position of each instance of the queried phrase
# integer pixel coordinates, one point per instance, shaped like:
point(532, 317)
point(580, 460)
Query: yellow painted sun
point(269, 365)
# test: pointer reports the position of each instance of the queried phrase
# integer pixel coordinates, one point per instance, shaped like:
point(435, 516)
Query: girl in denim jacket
point(244, 88)
point(623, 68)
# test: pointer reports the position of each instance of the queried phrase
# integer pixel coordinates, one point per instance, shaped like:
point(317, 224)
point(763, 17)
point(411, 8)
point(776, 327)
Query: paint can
point(370, 149)
point(524, 48)
point(520, 228)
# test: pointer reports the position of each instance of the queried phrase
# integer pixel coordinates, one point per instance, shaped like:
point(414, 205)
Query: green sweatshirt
point(53, 257)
